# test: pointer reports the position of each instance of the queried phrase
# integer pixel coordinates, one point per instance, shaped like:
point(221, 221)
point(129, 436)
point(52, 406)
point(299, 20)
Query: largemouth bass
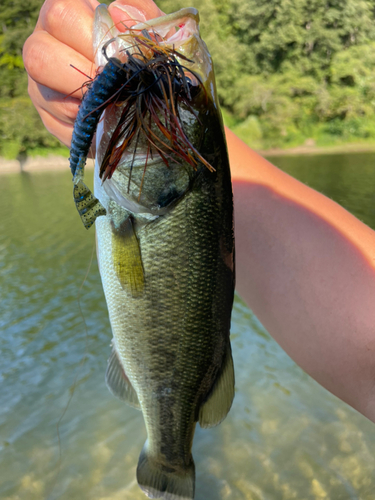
point(164, 224)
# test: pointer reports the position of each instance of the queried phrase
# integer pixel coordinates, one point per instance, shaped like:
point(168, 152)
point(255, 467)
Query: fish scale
point(172, 323)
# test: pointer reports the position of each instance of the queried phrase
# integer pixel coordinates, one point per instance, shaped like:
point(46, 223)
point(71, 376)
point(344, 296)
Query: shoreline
point(52, 163)
point(319, 150)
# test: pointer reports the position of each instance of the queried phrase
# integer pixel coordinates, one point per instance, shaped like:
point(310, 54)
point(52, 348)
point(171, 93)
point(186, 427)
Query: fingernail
point(132, 13)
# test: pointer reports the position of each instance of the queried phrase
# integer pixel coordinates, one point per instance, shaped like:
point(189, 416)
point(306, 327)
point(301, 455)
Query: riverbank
point(307, 149)
point(48, 163)
point(57, 163)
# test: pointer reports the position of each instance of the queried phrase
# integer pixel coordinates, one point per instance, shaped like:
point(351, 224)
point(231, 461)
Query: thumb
point(133, 12)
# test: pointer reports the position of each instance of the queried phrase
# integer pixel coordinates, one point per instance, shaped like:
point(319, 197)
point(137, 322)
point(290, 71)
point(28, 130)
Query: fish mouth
point(179, 31)
point(169, 64)
point(176, 28)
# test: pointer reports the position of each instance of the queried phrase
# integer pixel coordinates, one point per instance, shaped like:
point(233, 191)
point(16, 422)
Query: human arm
point(305, 265)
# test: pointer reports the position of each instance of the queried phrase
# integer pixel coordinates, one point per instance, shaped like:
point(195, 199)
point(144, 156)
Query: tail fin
point(157, 482)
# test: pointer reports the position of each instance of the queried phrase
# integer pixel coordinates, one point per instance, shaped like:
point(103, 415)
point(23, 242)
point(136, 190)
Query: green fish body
point(166, 257)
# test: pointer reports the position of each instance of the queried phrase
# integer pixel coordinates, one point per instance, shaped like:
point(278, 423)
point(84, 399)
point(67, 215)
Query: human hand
point(63, 37)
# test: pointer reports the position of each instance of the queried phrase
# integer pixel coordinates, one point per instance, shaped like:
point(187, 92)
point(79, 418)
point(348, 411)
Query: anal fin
point(89, 207)
point(220, 399)
point(127, 258)
point(118, 383)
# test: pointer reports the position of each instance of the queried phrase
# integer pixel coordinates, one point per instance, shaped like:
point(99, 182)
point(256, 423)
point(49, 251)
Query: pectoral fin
point(89, 207)
point(218, 404)
point(127, 258)
point(118, 383)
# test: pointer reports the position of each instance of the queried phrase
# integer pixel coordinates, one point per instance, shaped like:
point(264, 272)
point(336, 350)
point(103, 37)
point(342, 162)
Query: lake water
point(285, 437)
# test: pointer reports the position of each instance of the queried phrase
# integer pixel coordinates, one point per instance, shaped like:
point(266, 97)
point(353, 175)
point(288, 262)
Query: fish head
point(157, 167)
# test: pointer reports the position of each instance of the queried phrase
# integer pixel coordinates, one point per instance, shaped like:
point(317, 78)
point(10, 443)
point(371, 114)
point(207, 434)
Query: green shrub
point(21, 129)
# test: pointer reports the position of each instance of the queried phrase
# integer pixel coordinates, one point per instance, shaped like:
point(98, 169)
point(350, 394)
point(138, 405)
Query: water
point(285, 437)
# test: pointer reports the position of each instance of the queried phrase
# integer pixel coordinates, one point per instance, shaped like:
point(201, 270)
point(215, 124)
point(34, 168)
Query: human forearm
point(306, 268)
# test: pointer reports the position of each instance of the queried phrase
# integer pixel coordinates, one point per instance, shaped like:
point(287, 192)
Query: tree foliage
point(21, 130)
point(17, 21)
point(286, 70)
point(291, 69)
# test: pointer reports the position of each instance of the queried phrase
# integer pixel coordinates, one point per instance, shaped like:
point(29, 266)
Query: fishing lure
point(149, 86)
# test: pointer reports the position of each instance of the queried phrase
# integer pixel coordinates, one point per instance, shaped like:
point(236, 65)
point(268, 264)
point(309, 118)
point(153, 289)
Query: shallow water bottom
point(285, 437)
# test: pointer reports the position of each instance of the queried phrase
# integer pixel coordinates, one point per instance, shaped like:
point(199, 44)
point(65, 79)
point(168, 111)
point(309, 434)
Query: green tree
point(284, 33)
point(21, 130)
point(17, 21)
point(285, 69)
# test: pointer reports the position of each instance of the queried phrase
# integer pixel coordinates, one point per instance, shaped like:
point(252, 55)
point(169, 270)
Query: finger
point(133, 10)
point(70, 22)
point(48, 62)
point(58, 105)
